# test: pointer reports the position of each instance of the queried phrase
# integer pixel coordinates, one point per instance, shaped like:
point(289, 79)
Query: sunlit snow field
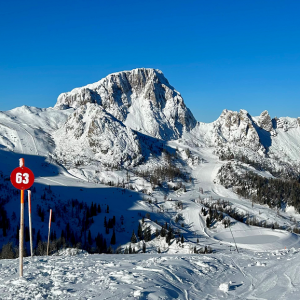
point(226, 275)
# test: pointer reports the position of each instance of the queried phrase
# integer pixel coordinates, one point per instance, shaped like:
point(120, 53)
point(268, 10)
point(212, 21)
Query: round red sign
point(22, 178)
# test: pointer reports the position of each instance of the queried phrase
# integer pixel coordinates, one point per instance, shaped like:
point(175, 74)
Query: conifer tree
point(169, 236)
point(163, 232)
point(42, 215)
point(208, 222)
point(144, 247)
point(90, 238)
point(110, 250)
point(133, 237)
point(147, 234)
point(113, 238)
point(73, 239)
point(104, 245)
point(7, 251)
point(92, 209)
point(27, 238)
point(17, 234)
point(99, 242)
point(140, 232)
point(156, 232)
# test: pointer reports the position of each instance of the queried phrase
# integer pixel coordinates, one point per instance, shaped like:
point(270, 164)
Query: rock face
point(142, 99)
point(237, 128)
point(90, 133)
point(265, 121)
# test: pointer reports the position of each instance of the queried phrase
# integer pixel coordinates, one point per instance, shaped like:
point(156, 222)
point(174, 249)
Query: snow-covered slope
point(129, 142)
point(142, 98)
point(246, 275)
point(29, 129)
point(285, 144)
point(92, 133)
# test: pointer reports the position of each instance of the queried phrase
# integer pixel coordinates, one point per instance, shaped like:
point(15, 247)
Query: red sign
point(22, 178)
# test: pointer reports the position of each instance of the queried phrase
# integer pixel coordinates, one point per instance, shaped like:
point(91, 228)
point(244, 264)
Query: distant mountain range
point(108, 121)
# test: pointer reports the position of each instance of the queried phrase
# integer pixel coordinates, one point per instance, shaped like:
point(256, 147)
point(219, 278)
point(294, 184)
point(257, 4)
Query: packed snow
point(223, 275)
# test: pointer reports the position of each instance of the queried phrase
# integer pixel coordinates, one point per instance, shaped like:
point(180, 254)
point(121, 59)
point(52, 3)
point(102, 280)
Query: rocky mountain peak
point(265, 121)
point(236, 129)
point(141, 98)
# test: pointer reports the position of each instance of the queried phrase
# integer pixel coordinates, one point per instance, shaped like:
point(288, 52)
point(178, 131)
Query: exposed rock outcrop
point(265, 121)
point(91, 133)
point(142, 98)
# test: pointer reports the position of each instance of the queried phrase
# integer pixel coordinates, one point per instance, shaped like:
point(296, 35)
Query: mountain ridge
point(141, 98)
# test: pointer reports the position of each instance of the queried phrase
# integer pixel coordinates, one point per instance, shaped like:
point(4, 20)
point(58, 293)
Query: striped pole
point(30, 226)
point(49, 231)
point(21, 231)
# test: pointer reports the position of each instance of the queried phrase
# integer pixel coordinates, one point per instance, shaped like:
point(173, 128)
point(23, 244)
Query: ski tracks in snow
point(59, 183)
point(103, 277)
point(152, 276)
point(23, 143)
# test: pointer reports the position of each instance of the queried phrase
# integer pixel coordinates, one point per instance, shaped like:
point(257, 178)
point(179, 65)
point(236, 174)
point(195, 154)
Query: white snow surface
point(230, 275)
point(91, 132)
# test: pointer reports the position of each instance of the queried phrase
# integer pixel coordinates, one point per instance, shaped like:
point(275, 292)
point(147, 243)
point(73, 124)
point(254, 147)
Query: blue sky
point(217, 54)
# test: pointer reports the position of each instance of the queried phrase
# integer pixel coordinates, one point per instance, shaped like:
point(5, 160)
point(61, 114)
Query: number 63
point(22, 178)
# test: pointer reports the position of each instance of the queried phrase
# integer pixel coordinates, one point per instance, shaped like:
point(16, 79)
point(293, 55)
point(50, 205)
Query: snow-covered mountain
point(106, 124)
point(142, 99)
point(90, 132)
point(231, 127)
point(275, 141)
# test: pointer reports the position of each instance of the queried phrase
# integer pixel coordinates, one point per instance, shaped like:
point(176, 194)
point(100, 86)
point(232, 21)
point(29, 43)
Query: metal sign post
point(21, 178)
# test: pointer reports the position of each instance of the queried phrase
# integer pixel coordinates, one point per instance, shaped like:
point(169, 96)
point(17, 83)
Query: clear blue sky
point(217, 54)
